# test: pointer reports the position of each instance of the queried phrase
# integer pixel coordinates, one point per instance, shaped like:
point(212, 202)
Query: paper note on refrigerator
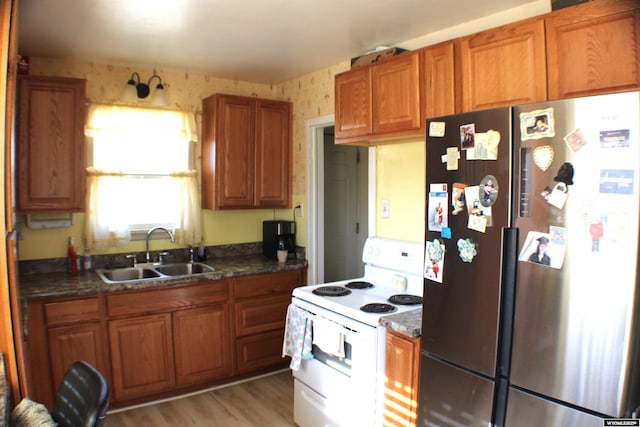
point(436, 129)
point(451, 158)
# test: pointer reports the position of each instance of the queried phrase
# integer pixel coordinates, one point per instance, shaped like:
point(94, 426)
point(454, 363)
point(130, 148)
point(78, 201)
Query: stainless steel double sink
point(144, 272)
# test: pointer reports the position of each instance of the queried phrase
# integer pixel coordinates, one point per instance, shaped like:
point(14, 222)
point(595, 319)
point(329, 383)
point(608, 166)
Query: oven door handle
point(346, 330)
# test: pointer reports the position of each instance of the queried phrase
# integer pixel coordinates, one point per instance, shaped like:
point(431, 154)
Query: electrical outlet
point(384, 211)
point(298, 210)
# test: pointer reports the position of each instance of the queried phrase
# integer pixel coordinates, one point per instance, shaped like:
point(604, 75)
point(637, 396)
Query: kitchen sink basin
point(127, 274)
point(153, 272)
point(184, 269)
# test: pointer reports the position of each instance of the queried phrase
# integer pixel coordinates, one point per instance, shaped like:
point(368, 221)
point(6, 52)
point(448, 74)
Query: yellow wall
point(400, 179)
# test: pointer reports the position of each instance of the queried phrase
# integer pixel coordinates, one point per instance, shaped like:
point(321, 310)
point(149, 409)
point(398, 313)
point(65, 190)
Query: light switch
point(384, 209)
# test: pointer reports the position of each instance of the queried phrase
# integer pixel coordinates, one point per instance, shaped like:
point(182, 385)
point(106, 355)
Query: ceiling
point(264, 41)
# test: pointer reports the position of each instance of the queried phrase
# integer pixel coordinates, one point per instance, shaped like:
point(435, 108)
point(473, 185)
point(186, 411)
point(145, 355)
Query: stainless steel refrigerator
point(531, 307)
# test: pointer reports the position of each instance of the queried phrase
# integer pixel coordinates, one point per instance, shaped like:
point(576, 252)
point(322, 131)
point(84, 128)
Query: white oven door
point(331, 390)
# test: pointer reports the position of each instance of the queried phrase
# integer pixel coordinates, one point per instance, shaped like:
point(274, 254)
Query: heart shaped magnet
point(543, 156)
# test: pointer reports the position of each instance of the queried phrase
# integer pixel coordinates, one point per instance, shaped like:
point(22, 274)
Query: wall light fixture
point(135, 90)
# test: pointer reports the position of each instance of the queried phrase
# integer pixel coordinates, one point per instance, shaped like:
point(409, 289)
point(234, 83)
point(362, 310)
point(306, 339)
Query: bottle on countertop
point(72, 258)
point(202, 252)
point(86, 261)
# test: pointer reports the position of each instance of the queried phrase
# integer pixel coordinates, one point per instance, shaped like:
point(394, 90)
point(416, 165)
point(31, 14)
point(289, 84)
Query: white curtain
point(130, 143)
point(188, 229)
point(106, 222)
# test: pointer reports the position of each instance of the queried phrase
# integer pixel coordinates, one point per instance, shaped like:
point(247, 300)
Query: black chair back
point(83, 397)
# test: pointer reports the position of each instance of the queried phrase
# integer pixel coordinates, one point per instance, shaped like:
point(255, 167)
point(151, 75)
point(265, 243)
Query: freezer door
point(453, 397)
point(574, 337)
point(526, 410)
point(461, 315)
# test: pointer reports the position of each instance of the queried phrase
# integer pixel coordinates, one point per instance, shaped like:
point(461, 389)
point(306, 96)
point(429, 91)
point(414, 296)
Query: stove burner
point(405, 299)
point(359, 285)
point(331, 291)
point(377, 307)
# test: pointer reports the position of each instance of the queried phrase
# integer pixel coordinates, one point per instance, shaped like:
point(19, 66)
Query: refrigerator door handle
point(505, 334)
point(510, 263)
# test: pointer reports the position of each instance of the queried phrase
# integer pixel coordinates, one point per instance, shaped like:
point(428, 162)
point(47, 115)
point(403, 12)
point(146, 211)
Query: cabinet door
point(259, 351)
point(61, 332)
point(353, 103)
point(396, 93)
point(50, 148)
point(260, 311)
point(401, 379)
point(262, 314)
point(504, 66)
point(273, 154)
point(234, 151)
point(594, 48)
point(141, 355)
point(260, 285)
point(439, 80)
point(68, 344)
point(202, 344)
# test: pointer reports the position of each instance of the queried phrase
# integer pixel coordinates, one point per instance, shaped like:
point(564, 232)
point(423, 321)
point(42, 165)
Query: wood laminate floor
point(265, 401)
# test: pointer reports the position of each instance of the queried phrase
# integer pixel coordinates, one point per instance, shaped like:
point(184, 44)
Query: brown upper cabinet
point(439, 79)
point(50, 145)
point(246, 153)
point(504, 66)
point(593, 48)
point(587, 49)
point(353, 104)
point(380, 101)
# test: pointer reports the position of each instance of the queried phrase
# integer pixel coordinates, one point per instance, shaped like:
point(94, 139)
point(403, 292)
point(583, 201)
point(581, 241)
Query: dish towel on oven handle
point(297, 336)
point(328, 336)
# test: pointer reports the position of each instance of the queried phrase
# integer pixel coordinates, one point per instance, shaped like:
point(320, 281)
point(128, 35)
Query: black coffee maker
point(278, 234)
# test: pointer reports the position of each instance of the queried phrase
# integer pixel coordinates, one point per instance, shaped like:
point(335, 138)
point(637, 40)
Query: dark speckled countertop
point(408, 323)
point(39, 285)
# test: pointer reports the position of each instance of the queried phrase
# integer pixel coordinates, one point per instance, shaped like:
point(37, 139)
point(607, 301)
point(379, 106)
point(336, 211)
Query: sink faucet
point(149, 235)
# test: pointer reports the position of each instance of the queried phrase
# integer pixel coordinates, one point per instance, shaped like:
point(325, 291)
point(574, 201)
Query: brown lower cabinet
point(59, 332)
point(141, 355)
point(259, 351)
point(203, 329)
point(70, 343)
point(260, 309)
point(154, 343)
point(401, 380)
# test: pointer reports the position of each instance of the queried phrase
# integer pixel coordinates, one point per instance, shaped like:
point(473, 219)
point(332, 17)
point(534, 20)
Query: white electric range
point(334, 390)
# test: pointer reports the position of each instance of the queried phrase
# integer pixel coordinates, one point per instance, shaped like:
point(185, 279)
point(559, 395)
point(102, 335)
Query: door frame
point(315, 195)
